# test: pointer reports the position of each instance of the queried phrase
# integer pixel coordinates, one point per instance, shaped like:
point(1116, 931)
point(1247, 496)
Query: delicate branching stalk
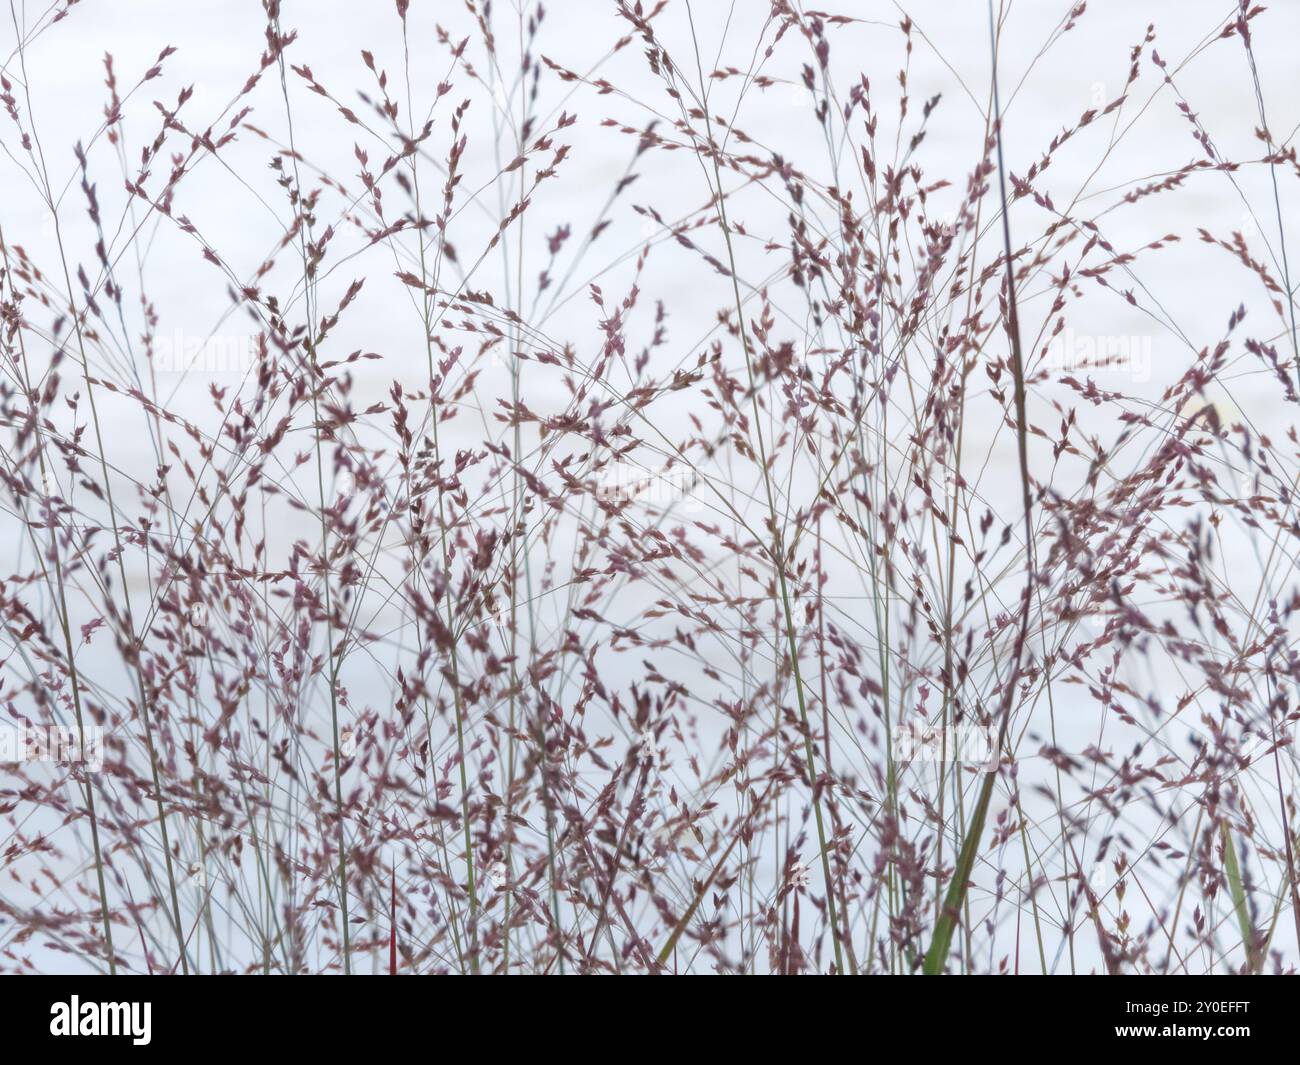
point(937, 955)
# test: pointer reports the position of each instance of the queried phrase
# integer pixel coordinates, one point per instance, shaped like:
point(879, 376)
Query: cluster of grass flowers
point(657, 497)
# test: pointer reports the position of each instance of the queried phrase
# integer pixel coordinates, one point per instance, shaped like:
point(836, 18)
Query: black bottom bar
point(215, 1013)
